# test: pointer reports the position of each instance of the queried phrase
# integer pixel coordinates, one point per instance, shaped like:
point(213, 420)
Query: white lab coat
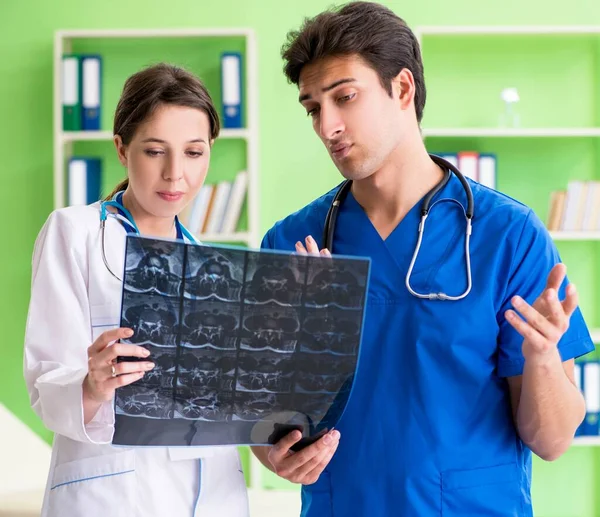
point(73, 300)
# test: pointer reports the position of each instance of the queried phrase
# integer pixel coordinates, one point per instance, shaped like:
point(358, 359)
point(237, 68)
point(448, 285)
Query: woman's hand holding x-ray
point(547, 320)
point(105, 374)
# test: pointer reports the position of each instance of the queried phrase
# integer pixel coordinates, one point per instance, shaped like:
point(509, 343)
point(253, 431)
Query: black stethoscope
point(342, 193)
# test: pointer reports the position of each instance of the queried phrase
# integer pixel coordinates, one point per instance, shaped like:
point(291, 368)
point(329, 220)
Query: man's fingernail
point(128, 333)
point(335, 435)
point(327, 439)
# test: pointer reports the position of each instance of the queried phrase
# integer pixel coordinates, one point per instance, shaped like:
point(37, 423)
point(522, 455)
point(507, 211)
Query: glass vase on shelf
point(510, 117)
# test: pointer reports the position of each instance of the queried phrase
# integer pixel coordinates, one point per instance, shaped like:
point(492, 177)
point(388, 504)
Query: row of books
point(587, 379)
point(82, 91)
point(217, 207)
point(577, 208)
point(480, 167)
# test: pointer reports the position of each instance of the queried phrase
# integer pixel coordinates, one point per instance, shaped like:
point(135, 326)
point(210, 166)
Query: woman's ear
point(121, 150)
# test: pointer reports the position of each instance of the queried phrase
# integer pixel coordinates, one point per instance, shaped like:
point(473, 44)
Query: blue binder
point(578, 377)
point(591, 393)
point(91, 92)
point(231, 89)
point(84, 179)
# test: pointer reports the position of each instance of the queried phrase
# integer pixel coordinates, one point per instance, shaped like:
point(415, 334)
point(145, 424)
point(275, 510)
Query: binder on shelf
point(591, 394)
point(577, 372)
point(231, 88)
point(71, 100)
point(84, 178)
point(487, 170)
point(449, 157)
point(468, 164)
point(91, 80)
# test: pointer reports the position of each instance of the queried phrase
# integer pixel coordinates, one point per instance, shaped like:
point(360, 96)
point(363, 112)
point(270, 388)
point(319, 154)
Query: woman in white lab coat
point(164, 127)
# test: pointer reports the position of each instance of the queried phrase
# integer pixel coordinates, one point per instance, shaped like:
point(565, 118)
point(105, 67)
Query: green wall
point(294, 166)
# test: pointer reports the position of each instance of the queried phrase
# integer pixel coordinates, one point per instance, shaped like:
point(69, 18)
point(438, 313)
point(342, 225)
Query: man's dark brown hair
point(367, 29)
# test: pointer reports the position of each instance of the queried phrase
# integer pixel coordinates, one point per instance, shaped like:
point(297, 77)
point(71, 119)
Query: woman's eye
point(152, 152)
point(195, 154)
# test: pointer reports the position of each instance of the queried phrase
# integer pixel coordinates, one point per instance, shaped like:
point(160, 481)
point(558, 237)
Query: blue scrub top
point(428, 429)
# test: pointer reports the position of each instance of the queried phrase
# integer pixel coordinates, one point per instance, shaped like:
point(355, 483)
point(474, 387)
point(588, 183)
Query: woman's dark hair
point(152, 87)
point(367, 29)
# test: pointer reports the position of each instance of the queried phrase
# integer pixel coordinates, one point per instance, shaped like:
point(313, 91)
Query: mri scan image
point(336, 283)
point(137, 401)
point(153, 319)
point(265, 372)
point(274, 279)
point(202, 404)
point(323, 374)
point(214, 274)
point(272, 328)
point(154, 267)
point(331, 331)
point(210, 324)
point(205, 369)
point(247, 345)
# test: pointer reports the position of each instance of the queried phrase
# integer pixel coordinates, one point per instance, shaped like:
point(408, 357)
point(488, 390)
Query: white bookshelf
point(64, 140)
point(595, 333)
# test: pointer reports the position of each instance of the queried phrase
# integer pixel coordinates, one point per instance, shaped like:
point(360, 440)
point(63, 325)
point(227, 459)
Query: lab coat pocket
point(94, 487)
point(317, 498)
point(490, 491)
point(104, 317)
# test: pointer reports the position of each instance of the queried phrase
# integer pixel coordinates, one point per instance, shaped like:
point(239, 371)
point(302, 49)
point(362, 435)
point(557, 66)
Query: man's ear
point(403, 88)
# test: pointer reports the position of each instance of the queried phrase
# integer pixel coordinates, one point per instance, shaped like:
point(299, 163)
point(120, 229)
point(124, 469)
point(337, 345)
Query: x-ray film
point(248, 345)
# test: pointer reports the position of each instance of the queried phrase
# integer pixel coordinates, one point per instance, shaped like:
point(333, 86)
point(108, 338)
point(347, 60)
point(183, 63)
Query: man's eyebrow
point(307, 96)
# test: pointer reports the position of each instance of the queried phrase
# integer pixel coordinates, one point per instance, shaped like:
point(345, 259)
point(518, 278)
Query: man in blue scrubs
point(450, 397)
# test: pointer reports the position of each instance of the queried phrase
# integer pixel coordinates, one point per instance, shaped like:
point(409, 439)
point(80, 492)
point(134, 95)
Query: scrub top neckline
point(413, 216)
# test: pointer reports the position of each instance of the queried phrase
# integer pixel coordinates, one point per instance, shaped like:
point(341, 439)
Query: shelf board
point(586, 441)
point(512, 132)
point(152, 33)
point(224, 237)
point(80, 136)
point(595, 333)
point(508, 30)
point(575, 236)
